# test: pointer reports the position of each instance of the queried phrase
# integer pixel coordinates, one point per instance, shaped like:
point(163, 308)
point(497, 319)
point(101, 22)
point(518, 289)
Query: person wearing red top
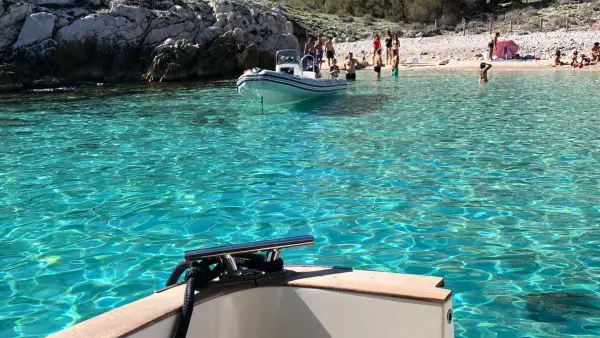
point(376, 45)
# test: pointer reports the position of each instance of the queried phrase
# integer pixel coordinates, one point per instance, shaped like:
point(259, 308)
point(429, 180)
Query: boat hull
point(271, 87)
point(319, 302)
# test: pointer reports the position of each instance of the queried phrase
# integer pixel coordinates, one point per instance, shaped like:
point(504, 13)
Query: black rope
point(199, 274)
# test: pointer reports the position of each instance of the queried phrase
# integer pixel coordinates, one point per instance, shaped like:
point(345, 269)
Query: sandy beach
point(465, 52)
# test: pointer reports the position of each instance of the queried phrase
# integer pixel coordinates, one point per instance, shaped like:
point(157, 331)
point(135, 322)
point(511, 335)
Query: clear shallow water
point(497, 189)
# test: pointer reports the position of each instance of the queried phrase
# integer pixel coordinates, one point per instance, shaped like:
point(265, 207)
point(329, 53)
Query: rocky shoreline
point(54, 43)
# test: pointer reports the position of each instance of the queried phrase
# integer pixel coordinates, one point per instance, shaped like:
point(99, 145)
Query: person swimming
point(483, 72)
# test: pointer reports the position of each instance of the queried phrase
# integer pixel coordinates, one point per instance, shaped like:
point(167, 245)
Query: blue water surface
point(495, 188)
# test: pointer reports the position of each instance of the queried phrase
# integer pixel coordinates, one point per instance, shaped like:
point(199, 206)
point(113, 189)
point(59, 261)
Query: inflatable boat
point(246, 291)
point(294, 79)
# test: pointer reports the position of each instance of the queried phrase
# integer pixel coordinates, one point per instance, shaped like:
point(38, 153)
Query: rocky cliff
point(48, 43)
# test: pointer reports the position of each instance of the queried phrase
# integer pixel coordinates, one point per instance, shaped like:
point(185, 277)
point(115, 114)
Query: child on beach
point(334, 70)
point(377, 63)
point(483, 70)
point(395, 62)
point(574, 60)
point(596, 52)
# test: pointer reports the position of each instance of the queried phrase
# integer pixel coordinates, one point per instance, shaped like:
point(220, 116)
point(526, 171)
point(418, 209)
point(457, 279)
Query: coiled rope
point(199, 273)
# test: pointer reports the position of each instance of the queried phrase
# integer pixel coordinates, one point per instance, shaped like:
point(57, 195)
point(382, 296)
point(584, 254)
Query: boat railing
point(226, 253)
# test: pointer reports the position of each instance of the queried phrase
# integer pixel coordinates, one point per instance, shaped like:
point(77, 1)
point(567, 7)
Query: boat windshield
point(288, 56)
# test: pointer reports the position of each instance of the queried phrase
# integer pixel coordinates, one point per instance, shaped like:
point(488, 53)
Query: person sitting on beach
point(395, 63)
point(596, 52)
point(483, 71)
point(584, 60)
point(575, 60)
point(556, 59)
point(309, 47)
point(388, 48)
point(334, 70)
point(492, 45)
point(350, 67)
point(376, 45)
point(377, 63)
point(329, 51)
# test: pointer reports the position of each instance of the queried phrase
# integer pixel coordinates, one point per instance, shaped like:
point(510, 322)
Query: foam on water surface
point(496, 188)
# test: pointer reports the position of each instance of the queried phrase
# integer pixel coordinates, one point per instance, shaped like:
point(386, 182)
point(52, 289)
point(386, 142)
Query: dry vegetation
point(524, 18)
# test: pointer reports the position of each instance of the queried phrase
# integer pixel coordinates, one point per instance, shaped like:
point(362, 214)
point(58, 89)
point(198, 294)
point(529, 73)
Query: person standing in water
point(377, 63)
point(483, 72)
point(330, 51)
point(350, 67)
point(492, 45)
point(395, 63)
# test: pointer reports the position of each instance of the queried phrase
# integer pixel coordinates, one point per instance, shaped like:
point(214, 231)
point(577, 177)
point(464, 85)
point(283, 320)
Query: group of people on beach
point(321, 46)
point(392, 53)
point(578, 60)
point(324, 47)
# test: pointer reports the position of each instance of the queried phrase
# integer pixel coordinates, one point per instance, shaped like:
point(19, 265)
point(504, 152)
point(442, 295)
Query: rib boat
point(294, 79)
point(246, 291)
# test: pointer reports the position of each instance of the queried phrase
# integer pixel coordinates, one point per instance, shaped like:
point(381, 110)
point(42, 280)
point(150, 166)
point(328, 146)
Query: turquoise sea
point(495, 188)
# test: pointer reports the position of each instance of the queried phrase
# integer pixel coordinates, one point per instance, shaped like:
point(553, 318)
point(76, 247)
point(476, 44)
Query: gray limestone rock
point(37, 27)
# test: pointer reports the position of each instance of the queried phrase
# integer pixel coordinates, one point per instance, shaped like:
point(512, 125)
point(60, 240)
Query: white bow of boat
point(294, 79)
point(246, 291)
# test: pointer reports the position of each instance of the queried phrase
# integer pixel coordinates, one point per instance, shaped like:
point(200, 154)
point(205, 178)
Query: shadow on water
point(559, 306)
point(9, 122)
point(114, 91)
point(343, 104)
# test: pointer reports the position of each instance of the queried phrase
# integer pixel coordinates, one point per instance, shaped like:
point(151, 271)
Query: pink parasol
point(506, 49)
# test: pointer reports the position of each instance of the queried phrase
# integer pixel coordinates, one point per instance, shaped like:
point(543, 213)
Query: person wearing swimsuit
point(388, 48)
point(350, 67)
point(483, 70)
point(319, 51)
point(309, 47)
point(395, 45)
point(395, 62)
point(376, 45)
point(596, 52)
point(330, 51)
point(377, 63)
point(492, 45)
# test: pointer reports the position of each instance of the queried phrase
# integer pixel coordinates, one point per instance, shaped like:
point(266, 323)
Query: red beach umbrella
point(506, 49)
